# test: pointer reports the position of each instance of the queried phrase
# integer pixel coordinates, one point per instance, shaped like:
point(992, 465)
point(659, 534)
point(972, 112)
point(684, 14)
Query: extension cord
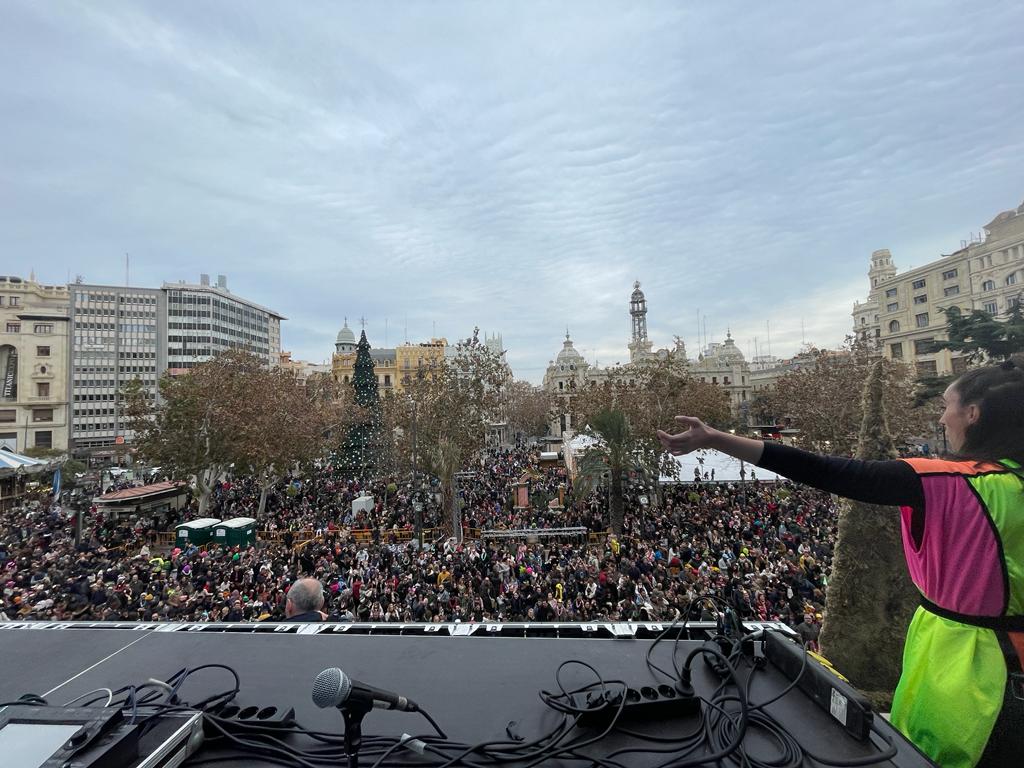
point(645, 703)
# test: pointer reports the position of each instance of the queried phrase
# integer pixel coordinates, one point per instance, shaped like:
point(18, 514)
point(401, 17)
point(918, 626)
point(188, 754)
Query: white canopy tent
point(726, 468)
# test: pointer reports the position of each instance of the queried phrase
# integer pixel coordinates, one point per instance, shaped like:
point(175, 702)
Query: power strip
point(645, 703)
point(822, 683)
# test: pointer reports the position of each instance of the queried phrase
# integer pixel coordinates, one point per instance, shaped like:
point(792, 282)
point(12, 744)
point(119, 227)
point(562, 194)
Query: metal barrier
point(526, 533)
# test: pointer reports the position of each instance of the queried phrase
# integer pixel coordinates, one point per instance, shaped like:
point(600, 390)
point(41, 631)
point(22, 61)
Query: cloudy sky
point(513, 166)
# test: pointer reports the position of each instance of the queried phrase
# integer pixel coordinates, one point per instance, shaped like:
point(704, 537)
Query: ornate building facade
point(903, 313)
point(721, 363)
point(394, 366)
point(34, 351)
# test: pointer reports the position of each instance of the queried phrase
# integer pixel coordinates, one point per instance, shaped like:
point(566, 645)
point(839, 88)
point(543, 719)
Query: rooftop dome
point(569, 353)
point(637, 293)
point(345, 335)
point(729, 350)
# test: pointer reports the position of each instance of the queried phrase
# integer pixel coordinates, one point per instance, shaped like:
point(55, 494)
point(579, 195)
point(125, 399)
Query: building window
point(8, 416)
point(42, 414)
point(387, 379)
point(949, 274)
point(42, 351)
point(896, 350)
point(863, 321)
point(42, 389)
point(952, 290)
point(44, 439)
point(1011, 279)
point(891, 293)
point(991, 307)
point(14, 327)
point(42, 328)
point(920, 299)
point(922, 320)
point(924, 346)
point(927, 368)
point(892, 307)
point(988, 285)
point(917, 284)
point(15, 301)
point(894, 326)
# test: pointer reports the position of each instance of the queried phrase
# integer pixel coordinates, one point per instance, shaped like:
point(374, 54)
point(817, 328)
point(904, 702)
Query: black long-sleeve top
point(876, 482)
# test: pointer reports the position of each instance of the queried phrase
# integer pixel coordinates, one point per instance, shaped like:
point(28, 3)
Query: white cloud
point(514, 167)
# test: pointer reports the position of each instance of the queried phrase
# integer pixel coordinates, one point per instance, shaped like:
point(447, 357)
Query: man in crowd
point(305, 599)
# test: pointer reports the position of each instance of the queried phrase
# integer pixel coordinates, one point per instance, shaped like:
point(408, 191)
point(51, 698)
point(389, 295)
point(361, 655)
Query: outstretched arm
point(874, 482)
point(699, 435)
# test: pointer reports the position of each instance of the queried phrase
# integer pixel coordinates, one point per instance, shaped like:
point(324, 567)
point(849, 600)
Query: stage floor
point(473, 686)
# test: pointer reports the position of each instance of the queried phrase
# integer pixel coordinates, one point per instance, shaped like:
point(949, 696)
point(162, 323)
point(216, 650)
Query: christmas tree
point(358, 451)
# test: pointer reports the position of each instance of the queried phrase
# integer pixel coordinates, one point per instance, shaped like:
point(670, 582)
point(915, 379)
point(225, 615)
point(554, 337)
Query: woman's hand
point(698, 435)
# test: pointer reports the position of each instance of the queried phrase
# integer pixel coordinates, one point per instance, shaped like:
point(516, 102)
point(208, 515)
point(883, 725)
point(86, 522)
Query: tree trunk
point(616, 514)
point(204, 484)
point(204, 499)
point(263, 501)
point(456, 513)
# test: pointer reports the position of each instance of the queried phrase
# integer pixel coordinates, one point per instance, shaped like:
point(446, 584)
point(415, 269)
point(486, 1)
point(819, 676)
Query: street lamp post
point(417, 506)
point(743, 478)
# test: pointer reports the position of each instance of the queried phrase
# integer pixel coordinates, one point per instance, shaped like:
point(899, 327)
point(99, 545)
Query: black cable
point(28, 700)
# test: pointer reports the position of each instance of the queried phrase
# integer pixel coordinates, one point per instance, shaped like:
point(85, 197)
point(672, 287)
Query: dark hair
point(998, 391)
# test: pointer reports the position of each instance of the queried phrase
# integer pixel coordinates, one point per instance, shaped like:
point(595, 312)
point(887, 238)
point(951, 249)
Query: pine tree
point(870, 597)
point(358, 451)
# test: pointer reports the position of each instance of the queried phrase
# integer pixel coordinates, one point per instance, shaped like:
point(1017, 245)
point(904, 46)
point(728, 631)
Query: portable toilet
point(195, 531)
point(236, 532)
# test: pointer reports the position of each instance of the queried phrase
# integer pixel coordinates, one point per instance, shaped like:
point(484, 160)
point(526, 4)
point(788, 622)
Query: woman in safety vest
point(963, 538)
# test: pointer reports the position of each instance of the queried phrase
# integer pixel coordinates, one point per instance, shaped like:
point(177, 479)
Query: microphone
point(333, 688)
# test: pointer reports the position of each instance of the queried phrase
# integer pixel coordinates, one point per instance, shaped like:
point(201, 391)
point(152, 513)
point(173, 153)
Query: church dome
point(568, 359)
point(345, 335)
point(730, 351)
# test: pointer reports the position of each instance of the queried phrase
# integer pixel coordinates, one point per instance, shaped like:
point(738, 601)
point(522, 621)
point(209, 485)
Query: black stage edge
point(474, 679)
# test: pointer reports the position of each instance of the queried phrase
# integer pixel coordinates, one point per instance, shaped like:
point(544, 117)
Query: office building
point(115, 338)
point(204, 320)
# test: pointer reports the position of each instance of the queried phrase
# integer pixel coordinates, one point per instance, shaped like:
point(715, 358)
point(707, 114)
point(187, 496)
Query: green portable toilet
point(236, 532)
point(195, 531)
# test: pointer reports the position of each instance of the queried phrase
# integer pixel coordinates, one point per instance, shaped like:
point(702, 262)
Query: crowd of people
point(764, 547)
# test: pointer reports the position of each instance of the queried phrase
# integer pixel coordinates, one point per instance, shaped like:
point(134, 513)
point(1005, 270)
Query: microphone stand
point(353, 711)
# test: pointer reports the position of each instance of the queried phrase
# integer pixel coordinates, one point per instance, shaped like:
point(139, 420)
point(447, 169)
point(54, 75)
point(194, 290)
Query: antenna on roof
point(126, 280)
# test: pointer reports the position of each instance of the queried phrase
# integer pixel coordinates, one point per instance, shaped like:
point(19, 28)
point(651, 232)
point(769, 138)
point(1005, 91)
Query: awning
point(14, 461)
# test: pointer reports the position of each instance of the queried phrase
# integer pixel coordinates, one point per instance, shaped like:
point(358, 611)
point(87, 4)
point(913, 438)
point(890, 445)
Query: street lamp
point(417, 506)
point(743, 477)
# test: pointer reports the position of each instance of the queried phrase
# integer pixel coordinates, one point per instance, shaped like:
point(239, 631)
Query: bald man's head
point(305, 595)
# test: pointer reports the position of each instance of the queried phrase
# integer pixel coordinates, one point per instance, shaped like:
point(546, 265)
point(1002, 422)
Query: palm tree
point(611, 454)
